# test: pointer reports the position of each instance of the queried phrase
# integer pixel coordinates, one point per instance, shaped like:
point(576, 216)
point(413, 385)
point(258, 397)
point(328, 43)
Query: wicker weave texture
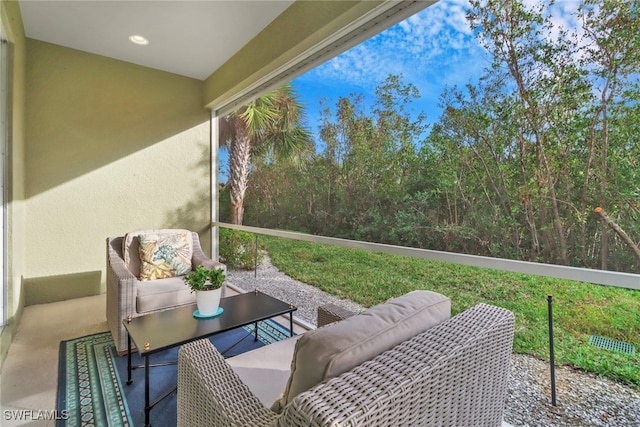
point(330, 313)
point(121, 292)
point(454, 374)
point(122, 285)
point(211, 394)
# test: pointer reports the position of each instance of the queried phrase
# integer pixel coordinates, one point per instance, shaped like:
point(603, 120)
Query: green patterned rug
point(89, 386)
point(91, 378)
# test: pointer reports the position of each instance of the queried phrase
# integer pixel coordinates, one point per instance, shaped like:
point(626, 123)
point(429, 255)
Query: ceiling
point(189, 38)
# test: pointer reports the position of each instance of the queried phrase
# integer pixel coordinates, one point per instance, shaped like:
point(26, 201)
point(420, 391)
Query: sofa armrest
point(210, 393)
point(454, 373)
point(330, 313)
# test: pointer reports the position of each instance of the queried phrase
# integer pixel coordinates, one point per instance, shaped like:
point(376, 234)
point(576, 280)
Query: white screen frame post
point(4, 138)
point(215, 204)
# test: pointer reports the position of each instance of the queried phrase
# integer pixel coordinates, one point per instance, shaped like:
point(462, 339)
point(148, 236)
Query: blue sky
point(431, 50)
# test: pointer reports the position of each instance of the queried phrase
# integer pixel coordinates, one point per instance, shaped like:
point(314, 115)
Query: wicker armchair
point(123, 296)
point(454, 374)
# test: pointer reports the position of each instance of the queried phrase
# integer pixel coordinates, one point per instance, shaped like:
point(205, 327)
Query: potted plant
point(207, 284)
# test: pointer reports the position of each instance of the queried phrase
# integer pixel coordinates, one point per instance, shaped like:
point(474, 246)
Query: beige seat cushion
point(159, 294)
point(265, 370)
point(334, 349)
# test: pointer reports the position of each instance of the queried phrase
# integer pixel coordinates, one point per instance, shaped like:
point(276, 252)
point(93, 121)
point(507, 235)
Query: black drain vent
point(610, 344)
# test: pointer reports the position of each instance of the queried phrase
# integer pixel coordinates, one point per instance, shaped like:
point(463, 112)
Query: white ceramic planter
point(208, 301)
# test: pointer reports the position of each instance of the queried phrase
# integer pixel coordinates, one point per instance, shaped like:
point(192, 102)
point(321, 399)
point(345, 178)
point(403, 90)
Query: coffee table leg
point(129, 380)
point(291, 323)
point(147, 408)
point(256, 327)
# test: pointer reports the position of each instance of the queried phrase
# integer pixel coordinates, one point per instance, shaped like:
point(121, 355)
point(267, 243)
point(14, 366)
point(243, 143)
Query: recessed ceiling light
point(138, 39)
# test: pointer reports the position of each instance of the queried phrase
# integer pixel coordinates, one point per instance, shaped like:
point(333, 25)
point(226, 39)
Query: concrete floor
point(29, 378)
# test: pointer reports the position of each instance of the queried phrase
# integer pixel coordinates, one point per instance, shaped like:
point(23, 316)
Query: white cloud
point(563, 17)
point(433, 40)
point(432, 49)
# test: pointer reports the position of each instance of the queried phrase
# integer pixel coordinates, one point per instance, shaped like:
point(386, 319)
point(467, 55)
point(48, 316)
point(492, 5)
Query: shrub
point(238, 249)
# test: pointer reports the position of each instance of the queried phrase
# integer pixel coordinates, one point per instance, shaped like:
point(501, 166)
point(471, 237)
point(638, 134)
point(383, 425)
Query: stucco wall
point(110, 147)
point(12, 25)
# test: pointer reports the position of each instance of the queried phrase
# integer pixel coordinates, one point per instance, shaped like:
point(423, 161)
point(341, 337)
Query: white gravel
point(582, 399)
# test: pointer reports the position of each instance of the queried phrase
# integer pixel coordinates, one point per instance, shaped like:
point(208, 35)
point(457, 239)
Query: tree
point(268, 127)
point(612, 31)
point(570, 95)
point(352, 186)
point(513, 167)
point(368, 154)
point(545, 85)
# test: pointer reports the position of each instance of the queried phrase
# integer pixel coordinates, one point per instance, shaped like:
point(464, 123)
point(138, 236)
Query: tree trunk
point(239, 160)
point(237, 211)
point(526, 198)
point(604, 244)
point(585, 185)
point(615, 227)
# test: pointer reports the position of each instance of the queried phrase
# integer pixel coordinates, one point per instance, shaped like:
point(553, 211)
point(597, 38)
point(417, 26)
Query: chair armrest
point(199, 258)
point(330, 313)
point(121, 292)
point(116, 262)
point(210, 393)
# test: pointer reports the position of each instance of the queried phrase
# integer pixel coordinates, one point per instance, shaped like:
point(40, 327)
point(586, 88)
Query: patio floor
point(30, 373)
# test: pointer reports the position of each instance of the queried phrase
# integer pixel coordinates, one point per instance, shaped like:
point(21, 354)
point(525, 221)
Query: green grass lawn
point(580, 309)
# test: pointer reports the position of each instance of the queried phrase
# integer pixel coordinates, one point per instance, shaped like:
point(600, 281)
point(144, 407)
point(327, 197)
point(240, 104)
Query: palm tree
point(271, 126)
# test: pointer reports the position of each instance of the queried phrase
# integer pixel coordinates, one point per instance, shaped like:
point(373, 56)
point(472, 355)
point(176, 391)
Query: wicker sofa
point(128, 296)
point(452, 374)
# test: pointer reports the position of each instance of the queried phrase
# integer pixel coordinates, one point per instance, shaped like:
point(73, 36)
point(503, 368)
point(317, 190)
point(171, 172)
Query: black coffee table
point(165, 329)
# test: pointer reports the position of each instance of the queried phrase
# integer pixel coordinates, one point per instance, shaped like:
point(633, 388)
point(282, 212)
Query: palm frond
point(273, 125)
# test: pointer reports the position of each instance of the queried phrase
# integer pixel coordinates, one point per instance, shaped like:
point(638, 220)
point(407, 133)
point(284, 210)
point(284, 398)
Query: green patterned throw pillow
point(164, 255)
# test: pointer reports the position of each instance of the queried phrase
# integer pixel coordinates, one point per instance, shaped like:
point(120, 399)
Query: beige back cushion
point(339, 347)
point(131, 247)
